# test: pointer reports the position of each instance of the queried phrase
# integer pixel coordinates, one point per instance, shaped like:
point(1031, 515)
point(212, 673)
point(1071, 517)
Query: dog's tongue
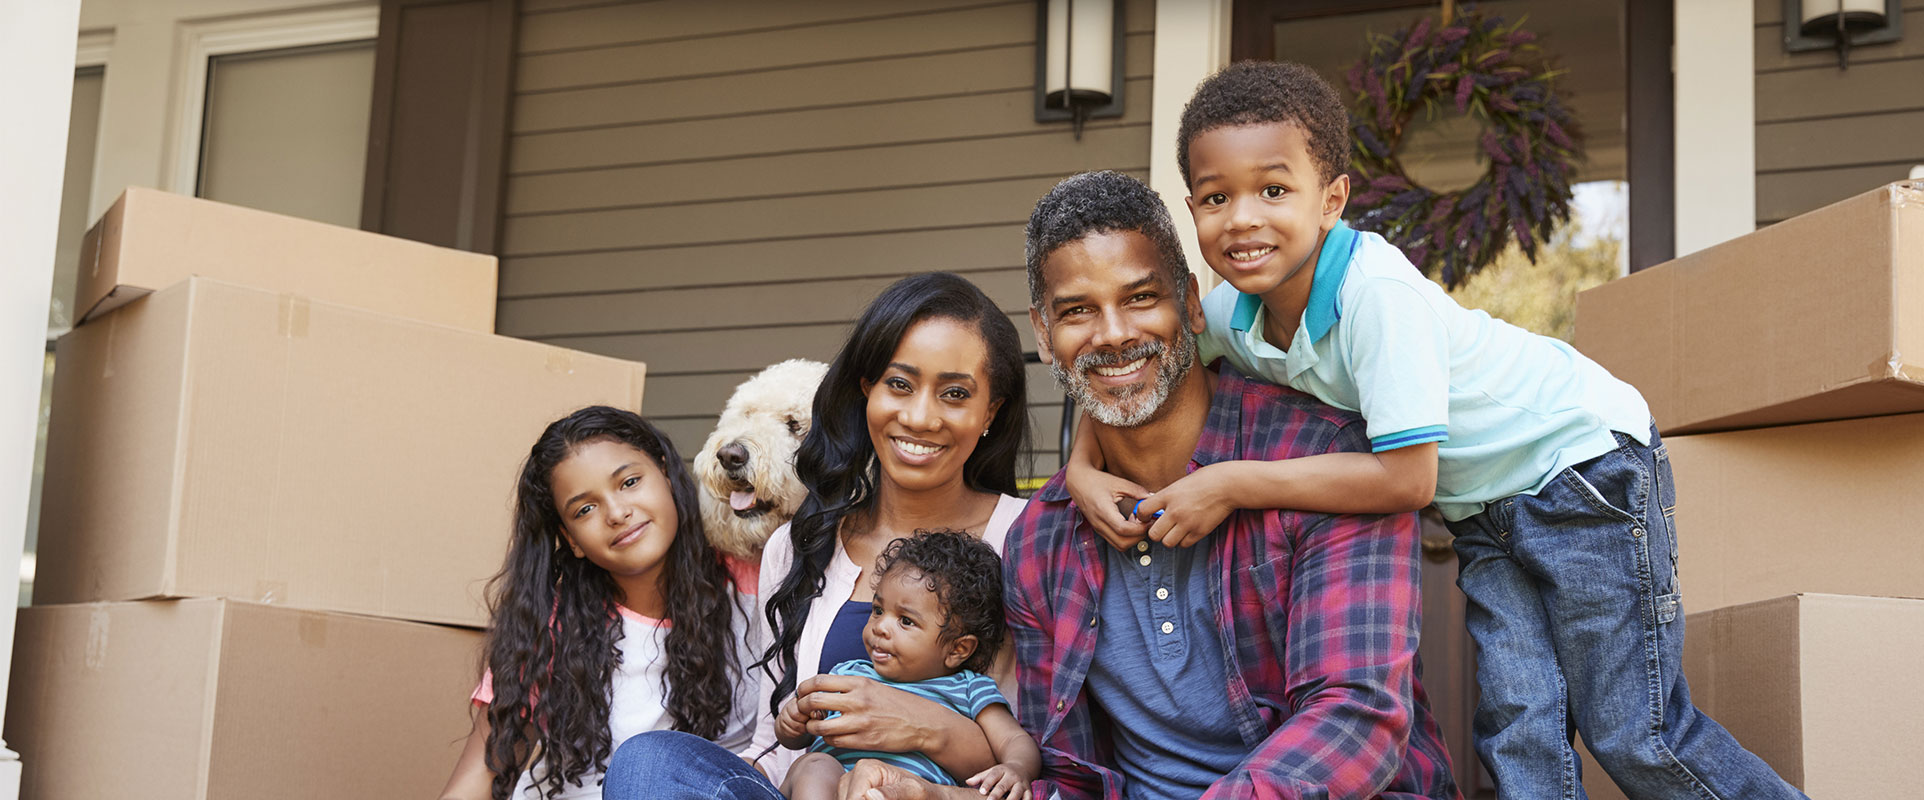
point(741, 501)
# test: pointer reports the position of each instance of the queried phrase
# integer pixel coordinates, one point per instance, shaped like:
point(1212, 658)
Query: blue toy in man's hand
point(1128, 506)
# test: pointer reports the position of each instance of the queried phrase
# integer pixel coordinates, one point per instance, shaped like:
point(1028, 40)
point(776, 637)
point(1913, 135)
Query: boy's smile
point(1261, 209)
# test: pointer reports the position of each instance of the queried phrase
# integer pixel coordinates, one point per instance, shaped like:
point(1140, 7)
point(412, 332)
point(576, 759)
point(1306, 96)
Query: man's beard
point(1128, 406)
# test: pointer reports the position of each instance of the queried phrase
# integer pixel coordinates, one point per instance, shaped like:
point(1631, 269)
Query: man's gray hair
point(1102, 202)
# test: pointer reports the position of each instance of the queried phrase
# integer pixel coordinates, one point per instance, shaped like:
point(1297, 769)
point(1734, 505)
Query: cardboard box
point(151, 240)
point(216, 440)
point(1813, 318)
point(1814, 684)
point(212, 698)
point(1823, 507)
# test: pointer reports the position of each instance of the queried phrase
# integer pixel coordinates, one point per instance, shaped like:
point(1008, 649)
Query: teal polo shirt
point(1507, 408)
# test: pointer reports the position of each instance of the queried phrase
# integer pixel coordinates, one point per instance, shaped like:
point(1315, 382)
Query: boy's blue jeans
point(672, 764)
point(1579, 626)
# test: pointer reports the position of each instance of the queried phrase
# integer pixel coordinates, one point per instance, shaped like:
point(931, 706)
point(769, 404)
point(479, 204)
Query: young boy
point(937, 624)
point(1547, 469)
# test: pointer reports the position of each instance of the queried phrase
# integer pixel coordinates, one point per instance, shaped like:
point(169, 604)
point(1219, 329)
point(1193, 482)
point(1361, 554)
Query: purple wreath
point(1530, 141)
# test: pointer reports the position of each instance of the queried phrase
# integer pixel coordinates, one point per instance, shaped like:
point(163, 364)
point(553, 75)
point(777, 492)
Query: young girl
point(612, 616)
point(936, 624)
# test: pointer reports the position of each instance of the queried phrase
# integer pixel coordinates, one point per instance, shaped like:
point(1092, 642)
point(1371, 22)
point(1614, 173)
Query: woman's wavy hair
point(836, 460)
point(553, 645)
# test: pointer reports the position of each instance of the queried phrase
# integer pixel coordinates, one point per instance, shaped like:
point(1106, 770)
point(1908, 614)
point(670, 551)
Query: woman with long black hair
point(917, 425)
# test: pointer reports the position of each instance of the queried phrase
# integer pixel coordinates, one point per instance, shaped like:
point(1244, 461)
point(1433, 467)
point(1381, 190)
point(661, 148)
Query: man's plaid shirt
point(1320, 616)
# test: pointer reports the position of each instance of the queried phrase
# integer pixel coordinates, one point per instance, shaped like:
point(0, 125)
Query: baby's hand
point(1190, 508)
point(792, 724)
point(1000, 781)
point(1096, 493)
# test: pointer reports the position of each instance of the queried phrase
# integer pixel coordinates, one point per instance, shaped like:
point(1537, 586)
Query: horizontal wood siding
point(713, 187)
point(1825, 134)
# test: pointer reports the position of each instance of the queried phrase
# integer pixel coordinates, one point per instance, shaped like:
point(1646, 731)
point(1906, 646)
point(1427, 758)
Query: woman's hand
point(876, 717)
point(870, 779)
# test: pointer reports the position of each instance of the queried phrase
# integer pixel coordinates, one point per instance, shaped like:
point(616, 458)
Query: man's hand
point(1191, 507)
point(1096, 493)
point(875, 780)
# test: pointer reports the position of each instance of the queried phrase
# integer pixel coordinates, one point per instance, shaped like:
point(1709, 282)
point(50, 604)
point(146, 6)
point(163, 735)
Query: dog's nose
point(732, 456)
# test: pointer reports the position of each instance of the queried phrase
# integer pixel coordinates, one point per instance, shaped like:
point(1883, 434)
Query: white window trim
point(1192, 42)
point(92, 49)
point(201, 41)
point(1714, 62)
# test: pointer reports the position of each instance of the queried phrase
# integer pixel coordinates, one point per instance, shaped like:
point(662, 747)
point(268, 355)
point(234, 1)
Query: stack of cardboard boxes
point(278, 451)
point(1785, 369)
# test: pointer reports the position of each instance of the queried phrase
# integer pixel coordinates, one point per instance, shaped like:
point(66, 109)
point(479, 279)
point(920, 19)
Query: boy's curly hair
point(966, 576)
point(1102, 202)
point(1257, 92)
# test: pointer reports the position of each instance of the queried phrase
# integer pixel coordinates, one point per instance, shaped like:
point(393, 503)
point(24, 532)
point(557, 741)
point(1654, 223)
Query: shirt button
point(1169, 627)
point(1058, 705)
point(1162, 594)
point(1142, 547)
point(1092, 622)
point(1143, 561)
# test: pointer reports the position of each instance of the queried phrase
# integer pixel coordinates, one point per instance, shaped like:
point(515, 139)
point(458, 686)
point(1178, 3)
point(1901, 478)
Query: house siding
point(1824, 134)
point(711, 188)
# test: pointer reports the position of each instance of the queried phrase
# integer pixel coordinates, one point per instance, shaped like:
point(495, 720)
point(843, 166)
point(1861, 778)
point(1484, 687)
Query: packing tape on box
point(269, 592)
point(107, 360)
point(98, 622)
point(294, 313)
point(561, 363)
point(313, 629)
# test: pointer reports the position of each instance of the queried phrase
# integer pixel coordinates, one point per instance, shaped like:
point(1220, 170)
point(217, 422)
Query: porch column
point(1192, 42)
point(1716, 122)
point(37, 56)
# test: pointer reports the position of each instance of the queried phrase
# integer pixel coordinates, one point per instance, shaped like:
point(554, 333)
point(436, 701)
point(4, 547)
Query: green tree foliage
point(1542, 297)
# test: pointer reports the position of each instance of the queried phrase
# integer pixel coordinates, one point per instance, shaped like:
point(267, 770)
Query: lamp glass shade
point(1821, 16)
point(1080, 51)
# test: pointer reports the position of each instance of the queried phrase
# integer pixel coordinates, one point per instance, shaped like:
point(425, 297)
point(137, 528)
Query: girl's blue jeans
point(671, 764)
point(1574, 605)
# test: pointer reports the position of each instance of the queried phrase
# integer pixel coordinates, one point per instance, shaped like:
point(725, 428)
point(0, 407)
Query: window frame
point(200, 42)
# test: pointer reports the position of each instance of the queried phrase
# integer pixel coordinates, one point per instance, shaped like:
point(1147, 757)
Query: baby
point(935, 626)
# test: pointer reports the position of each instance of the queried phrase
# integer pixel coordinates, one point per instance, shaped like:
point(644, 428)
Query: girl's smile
point(616, 511)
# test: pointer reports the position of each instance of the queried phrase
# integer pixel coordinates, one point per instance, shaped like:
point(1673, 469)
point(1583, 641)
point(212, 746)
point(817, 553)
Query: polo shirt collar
point(1332, 264)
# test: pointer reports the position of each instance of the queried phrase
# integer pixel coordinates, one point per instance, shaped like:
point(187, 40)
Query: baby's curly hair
point(1256, 92)
point(966, 576)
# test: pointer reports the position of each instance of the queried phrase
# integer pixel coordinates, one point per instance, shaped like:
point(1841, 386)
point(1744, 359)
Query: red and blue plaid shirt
point(1319, 622)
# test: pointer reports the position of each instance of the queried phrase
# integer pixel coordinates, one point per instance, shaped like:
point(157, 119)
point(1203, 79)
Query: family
point(1217, 597)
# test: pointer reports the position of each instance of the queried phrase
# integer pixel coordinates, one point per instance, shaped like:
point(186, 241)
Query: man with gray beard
point(1277, 657)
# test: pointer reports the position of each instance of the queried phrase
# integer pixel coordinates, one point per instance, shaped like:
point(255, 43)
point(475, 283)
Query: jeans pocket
point(1589, 492)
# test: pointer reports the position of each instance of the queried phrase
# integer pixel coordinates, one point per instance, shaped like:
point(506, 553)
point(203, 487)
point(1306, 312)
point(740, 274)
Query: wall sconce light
point(1840, 24)
point(1078, 60)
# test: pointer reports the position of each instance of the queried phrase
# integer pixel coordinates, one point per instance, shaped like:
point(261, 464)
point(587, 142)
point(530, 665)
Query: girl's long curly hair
point(553, 645)
point(836, 459)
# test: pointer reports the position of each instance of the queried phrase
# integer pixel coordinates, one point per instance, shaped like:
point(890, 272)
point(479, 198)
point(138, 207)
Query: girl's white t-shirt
point(837, 585)
point(638, 702)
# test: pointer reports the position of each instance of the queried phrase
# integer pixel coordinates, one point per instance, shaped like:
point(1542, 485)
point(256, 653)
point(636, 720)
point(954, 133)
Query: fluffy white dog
point(746, 469)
